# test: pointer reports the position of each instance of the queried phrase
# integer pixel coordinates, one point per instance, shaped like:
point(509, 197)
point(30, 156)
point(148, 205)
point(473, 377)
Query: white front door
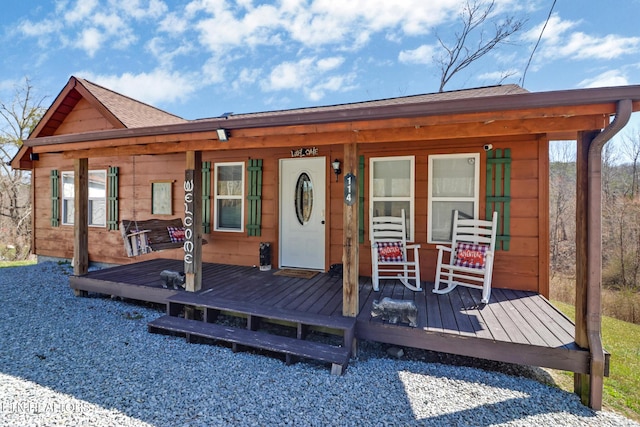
point(302, 212)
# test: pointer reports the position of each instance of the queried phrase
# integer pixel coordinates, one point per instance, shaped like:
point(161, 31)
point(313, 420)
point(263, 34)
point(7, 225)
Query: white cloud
point(553, 32)
point(246, 77)
point(328, 64)
point(310, 76)
point(583, 46)
point(154, 8)
point(608, 78)
point(173, 24)
point(156, 87)
point(90, 40)
point(39, 29)
point(165, 53)
point(83, 9)
point(420, 55)
point(558, 42)
point(290, 75)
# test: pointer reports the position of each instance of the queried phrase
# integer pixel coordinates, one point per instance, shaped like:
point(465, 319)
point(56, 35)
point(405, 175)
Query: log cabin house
point(99, 160)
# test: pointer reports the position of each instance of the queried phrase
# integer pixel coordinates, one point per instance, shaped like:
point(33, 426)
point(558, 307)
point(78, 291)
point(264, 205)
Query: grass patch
point(622, 386)
point(16, 263)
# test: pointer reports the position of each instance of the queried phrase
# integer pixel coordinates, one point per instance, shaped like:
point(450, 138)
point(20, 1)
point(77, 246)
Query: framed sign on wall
point(161, 197)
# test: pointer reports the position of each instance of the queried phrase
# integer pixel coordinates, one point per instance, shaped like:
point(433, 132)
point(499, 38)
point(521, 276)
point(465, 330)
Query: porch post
point(80, 218)
point(350, 242)
point(193, 221)
point(581, 381)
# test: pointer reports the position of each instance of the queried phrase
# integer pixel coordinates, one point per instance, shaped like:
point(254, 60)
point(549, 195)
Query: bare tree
point(18, 117)
point(631, 147)
point(475, 16)
point(562, 183)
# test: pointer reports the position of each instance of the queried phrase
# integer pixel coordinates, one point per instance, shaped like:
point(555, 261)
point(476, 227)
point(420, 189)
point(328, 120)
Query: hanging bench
point(141, 237)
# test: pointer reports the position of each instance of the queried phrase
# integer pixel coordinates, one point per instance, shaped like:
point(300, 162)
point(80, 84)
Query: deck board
point(516, 326)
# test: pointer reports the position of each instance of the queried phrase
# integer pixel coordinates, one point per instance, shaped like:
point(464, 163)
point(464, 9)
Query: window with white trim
point(391, 188)
point(229, 196)
point(97, 198)
point(454, 182)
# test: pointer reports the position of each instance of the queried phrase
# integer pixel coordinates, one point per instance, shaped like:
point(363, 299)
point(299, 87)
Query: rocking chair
point(470, 256)
point(388, 235)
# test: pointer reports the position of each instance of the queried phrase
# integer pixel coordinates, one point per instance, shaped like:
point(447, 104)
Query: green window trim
point(254, 197)
point(55, 198)
point(112, 198)
point(206, 197)
point(498, 194)
point(361, 199)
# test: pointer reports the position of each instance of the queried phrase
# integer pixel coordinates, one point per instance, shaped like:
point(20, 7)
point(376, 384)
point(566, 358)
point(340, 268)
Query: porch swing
point(144, 236)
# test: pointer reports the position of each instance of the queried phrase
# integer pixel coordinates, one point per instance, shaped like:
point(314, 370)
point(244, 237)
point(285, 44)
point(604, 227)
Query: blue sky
point(203, 58)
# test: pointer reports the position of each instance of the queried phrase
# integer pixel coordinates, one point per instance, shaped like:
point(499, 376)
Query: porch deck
point(515, 327)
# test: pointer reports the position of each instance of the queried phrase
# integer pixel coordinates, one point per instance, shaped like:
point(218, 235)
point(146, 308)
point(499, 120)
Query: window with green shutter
point(55, 198)
point(254, 197)
point(112, 198)
point(498, 194)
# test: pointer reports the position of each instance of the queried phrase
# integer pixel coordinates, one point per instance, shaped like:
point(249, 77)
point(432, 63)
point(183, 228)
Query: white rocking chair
point(470, 256)
point(388, 235)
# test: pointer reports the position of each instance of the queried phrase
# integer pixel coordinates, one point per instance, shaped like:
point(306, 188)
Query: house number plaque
point(350, 189)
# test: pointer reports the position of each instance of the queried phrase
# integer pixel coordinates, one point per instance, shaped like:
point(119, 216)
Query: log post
point(81, 219)
point(350, 250)
point(193, 221)
point(581, 381)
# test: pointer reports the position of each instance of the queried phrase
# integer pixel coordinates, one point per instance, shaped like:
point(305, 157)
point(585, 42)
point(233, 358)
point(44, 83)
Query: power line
point(524, 74)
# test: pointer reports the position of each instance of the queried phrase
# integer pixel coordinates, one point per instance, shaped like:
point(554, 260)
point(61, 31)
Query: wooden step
point(179, 300)
point(337, 356)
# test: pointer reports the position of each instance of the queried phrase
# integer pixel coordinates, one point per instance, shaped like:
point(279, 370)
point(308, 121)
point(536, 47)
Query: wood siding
point(519, 268)
point(83, 118)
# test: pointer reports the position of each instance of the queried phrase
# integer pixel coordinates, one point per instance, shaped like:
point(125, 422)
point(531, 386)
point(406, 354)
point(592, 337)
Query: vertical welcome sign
point(189, 209)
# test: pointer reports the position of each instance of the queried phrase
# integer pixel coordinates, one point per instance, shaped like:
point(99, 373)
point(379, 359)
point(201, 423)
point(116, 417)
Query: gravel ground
point(68, 361)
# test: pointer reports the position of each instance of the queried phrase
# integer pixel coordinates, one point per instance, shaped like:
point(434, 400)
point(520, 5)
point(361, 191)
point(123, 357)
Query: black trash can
point(265, 256)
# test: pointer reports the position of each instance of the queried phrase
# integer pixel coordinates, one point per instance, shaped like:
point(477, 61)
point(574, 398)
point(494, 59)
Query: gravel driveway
point(89, 361)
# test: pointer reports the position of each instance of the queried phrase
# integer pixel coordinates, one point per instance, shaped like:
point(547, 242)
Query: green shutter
point(498, 194)
point(361, 199)
point(55, 198)
point(112, 198)
point(255, 197)
point(206, 197)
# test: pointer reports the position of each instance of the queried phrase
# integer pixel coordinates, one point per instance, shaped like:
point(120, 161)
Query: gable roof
point(119, 110)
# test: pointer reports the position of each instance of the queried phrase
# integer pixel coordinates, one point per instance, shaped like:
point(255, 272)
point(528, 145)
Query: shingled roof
point(462, 94)
point(131, 113)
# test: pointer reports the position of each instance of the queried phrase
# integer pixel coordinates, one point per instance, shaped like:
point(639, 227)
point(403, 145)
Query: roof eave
point(575, 97)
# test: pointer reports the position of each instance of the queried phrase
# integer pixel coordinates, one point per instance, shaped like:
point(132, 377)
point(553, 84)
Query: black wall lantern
point(336, 168)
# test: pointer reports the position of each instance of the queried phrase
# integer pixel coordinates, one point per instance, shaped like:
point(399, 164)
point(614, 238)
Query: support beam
point(350, 250)
point(193, 221)
point(81, 217)
point(581, 381)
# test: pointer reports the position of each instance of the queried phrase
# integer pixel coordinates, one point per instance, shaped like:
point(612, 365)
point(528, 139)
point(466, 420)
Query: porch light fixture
point(336, 168)
point(223, 135)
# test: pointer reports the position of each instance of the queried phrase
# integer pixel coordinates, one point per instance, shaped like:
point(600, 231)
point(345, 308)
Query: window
point(97, 198)
point(453, 185)
point(229, 196)
point(391, 186)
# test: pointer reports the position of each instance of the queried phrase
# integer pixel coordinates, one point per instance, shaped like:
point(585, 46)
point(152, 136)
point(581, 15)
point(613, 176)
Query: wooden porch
point(515, 327)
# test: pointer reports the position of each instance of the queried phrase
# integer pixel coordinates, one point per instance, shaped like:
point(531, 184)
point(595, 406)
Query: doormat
point(300, 274)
